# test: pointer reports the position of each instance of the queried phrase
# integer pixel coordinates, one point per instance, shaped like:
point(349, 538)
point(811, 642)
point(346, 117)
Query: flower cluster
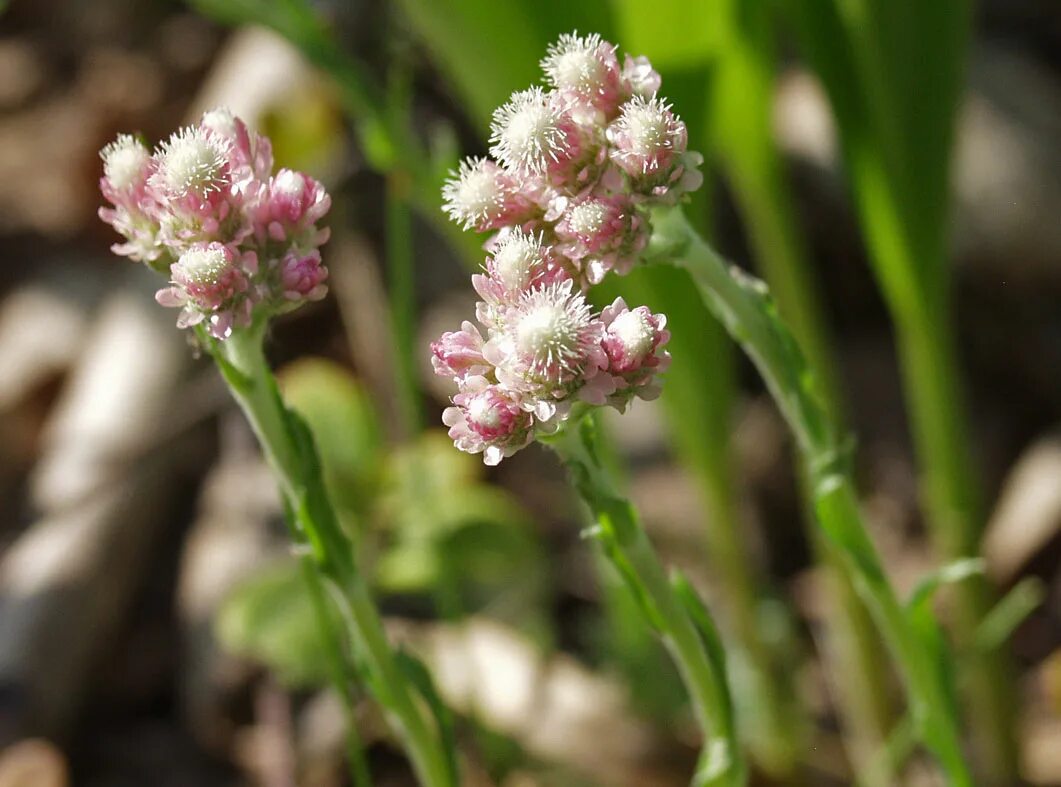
point(205, 209)
point(574, 168)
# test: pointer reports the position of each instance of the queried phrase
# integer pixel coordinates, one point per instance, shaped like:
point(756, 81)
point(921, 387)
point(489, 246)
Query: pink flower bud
point(209, 283)
point(585, 72)
point(289, 207)
point(459, 354)
point(603, 233)
point(488, 419)
point(633, 341)
point(639, 78)
point(250, 154)
point(302, 276)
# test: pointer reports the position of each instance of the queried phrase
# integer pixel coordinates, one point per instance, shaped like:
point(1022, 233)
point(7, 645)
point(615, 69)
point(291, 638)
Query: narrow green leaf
point(1012, 610)
point(949, 574)
point(418, 675)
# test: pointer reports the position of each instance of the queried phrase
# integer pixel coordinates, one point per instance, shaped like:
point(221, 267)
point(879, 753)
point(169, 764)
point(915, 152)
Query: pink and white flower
point(585, 72)
point(647, 138)
point(633, 341)
point(288, 209)
point(575, 170)
point(488, 419)
point(459, 354)
point(204, 209)
point(194, 184)
point(210, 284)
point(127, 166)
point(481, 196)
point(602, 234)
point(520, 261)
point(548, 347)
point(648, 142)
point(535, 135)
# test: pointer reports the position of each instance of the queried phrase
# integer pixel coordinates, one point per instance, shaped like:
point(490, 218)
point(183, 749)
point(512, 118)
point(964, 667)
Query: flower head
point(127, 165)
point(488, 419)
point(648, 142)
point(209, 283)
point(480, 195)
point(192, 161)
point(603, 233)
point(584, 70)
point(520, 262)
point(647, 137)
point(534, 134)
point(633, 341)
point(459, 354)
point(575, 169)
point(549, 346)
point(204, 209)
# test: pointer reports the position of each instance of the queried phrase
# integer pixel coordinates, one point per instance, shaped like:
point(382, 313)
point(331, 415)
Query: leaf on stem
point(949, 574)
point(420, 678)
point(999, 624)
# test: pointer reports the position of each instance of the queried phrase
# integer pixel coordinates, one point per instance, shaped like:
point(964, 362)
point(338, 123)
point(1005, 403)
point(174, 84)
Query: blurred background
point(152, 626)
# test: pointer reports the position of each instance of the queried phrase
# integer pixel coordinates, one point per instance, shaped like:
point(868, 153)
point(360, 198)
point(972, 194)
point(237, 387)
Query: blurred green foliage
point(269, 618)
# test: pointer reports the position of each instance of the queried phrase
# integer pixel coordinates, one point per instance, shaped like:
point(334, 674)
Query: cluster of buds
point(565, 197)
point(205, 210)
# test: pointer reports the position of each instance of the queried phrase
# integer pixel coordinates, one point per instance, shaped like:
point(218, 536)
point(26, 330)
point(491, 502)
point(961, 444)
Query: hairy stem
point(688, 634)
point(289, 450)
point(744, 308)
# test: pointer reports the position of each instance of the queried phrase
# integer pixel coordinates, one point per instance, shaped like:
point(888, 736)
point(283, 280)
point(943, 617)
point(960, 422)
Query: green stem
point(698, 400)
point(743, 307)
point(337, 669)
point(629, 549)
point(850, 644)
point(288, 448)
point(849, 640)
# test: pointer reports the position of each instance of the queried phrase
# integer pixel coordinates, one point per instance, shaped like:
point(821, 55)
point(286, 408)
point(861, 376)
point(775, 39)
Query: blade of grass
point(398, 240)
point(893, 73)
